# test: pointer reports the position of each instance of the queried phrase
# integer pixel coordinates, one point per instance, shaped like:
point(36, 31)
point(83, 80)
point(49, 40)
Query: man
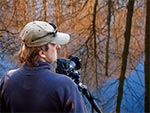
point(34, 87)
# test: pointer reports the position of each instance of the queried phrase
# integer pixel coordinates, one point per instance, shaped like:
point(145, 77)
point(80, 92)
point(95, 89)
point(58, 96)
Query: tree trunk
point(94, 37)
point(127, 34)
point(108, 37)
point(45, 9)
point(147, 59)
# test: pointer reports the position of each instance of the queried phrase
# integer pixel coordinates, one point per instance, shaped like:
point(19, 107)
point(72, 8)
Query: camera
point(69, 67)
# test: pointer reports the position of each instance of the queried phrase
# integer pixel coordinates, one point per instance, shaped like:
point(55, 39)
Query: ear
point(41, 54)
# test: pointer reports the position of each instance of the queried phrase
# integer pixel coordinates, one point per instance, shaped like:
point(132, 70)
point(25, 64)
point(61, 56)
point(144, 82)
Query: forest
point(111, 37)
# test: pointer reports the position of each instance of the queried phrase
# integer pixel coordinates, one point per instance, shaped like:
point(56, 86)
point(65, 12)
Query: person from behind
point(34, 86)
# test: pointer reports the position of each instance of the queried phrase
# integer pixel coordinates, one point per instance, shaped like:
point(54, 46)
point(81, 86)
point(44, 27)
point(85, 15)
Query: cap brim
point(61, 38)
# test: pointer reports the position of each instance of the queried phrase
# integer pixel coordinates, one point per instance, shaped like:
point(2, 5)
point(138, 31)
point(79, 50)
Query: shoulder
point(10, 73)
point(66, 84)
point(65, 79)
point(4, 80)
point(6, 77)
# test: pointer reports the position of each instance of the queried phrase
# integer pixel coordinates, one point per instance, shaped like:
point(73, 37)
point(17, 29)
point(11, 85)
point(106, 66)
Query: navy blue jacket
point(39, 89)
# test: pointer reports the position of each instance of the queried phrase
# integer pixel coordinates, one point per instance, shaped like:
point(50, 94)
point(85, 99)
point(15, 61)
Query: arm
point(73, 101)
point(3, 105)
point(4, 80)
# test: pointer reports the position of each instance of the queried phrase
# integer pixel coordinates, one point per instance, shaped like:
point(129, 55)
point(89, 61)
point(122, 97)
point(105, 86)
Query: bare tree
point(45, 9)
point(94, 39)
point(108, 37)
point(147, 59)
point(58, 11)
point(125, 53)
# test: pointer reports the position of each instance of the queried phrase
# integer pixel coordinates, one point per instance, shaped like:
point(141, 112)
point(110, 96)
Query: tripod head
point(69, 67)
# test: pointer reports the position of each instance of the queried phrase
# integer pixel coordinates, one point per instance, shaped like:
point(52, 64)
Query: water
point(133, 93)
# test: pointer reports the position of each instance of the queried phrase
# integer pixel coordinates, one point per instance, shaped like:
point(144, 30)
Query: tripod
point(83, 89)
